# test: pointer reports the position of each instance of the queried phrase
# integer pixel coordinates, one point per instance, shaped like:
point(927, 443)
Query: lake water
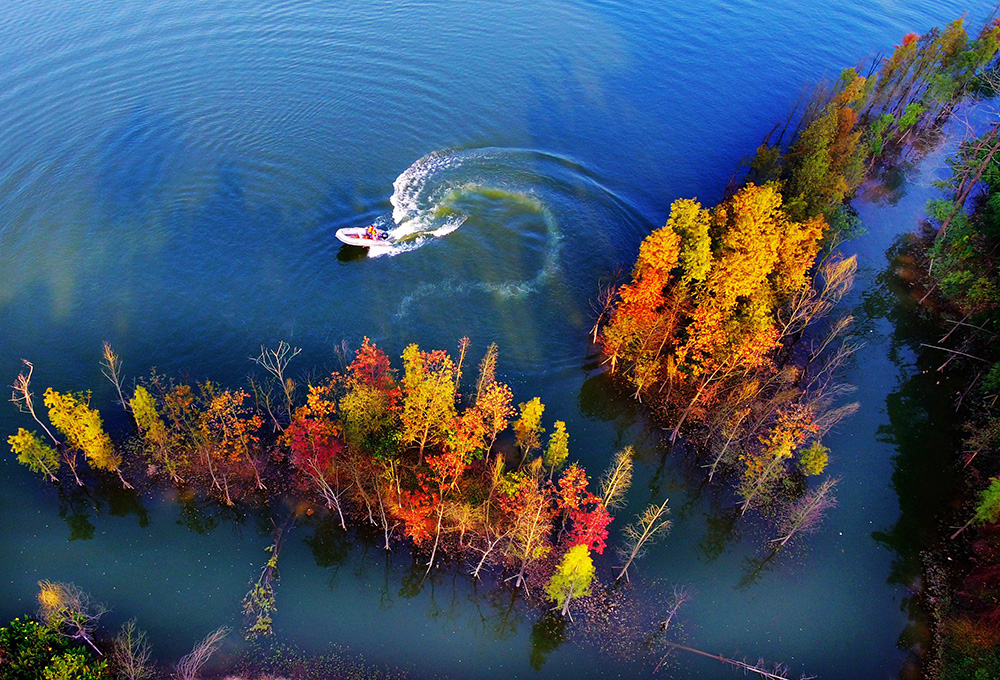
point(172, 177)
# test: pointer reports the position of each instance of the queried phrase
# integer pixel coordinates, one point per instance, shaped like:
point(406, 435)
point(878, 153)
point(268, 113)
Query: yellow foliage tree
point(154, 433)
point(528, 428)
point(572, 578)
point(429, 394)
point(558, 449)
point(81, 425)
point(34, 453)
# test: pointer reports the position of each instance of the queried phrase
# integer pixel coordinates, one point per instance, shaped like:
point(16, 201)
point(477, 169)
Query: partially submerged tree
point(82, 426)
point(190, 665)
point(22, 397)
point(33, 452)
point(805, 514)
point(652, 524)
point(616, 480)
point(69, 610)
point(131, 653)
point(572, 578)
point(275, 362)
point(111, 368)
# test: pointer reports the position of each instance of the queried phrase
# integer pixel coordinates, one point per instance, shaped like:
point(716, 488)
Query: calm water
point(172, 176)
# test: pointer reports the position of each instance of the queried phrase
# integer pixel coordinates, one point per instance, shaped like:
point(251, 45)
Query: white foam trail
point(423, 207)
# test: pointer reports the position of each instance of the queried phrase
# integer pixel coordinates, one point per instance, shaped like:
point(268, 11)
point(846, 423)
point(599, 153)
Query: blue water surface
point(171, 178)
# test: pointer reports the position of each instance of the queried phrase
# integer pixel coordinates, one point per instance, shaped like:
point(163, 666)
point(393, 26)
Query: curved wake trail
point(426, 194)
point(512, 201)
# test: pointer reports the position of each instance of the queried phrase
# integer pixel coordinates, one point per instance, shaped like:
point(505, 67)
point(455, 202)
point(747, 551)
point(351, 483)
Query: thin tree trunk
point(437, 537)
point(694, 400)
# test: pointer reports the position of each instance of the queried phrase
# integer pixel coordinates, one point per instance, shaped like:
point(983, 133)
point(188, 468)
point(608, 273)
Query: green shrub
point(30, 650)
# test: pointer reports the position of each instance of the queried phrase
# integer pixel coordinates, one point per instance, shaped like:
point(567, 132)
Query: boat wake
point(428, 197)
point(511, 207)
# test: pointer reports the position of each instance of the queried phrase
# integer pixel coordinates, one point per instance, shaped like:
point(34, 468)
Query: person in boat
point(371, 232)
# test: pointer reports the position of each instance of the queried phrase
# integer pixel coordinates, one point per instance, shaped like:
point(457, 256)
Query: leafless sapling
point(190, 665)
point(275, 361)
point(805, 514)
point(111, 368)
point(66, 608)
point(131, 652)
point(22, 395)
point(652, 524)
point(615, 481)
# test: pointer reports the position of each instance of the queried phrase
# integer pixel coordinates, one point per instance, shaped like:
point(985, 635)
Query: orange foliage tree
point(701, 309)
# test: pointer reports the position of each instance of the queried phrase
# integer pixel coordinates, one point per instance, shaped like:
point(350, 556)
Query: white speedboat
point(361, 237)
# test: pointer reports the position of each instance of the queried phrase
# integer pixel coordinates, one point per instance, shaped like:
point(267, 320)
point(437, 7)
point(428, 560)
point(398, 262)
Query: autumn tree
point(644, 321)
point(447, 467)
point(764, 468)
point(496, 406)
point(154, 433)
point(701, 309)
point(428, 397)
point(371, 405)
point(315, 447)
point(33, 452)
point(228, 436)
point(529, 505)
point(825, 164)
point(528, 428)
point(584, 515)
point(572, 578)
point(558, 448)
point(589, 524)
point(82, 426)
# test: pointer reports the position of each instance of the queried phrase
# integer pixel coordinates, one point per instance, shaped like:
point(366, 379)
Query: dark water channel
point(172, 175)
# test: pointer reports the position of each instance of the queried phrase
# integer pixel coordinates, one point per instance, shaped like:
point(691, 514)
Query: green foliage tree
point(76, 665)
point(987, 509)
point(30, 650)
point(572, 578)
point(814, 458)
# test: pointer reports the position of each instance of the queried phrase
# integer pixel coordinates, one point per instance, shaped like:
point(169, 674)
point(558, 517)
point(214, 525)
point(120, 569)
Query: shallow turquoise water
point(172, 175)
